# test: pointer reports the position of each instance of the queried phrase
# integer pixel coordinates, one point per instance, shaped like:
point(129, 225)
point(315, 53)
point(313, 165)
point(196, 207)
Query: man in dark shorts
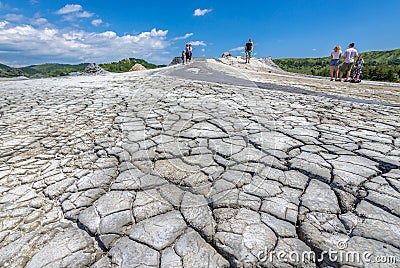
point(187, 53)
point(347, 65)
point(248, 50)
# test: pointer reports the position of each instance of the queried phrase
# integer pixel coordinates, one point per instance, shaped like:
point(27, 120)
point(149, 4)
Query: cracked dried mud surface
point(140, 170)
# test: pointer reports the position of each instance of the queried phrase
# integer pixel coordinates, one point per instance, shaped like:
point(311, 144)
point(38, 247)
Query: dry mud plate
point(163, 170)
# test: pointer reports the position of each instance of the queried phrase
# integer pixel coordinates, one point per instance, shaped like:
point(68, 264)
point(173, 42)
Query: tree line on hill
point(126, 64)
point(54, 69)
point(378, 66)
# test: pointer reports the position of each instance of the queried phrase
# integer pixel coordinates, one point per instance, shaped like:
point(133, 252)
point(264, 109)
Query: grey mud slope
point(158, 171)
point(201, 70)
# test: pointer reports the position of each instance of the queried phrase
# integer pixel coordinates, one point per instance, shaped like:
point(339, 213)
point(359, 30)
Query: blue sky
point(42, 31)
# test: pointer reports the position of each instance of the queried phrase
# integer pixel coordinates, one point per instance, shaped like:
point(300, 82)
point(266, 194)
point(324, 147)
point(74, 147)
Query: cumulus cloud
point(14, 17)
point(237, 49)
point(97, 22)
point(3, 24)
point(186, 36)
point(26, 44)
point(39, 21)
point(73, 12)
point(84, 14)
point(201, 12)
point(198, 43)
point(69, 9)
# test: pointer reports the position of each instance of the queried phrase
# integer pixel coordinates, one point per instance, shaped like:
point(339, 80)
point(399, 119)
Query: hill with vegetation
point(52, 69)
point(378, 66)
point(2, 66)
point(55, 69)
point(10, 72)
point(126, 64)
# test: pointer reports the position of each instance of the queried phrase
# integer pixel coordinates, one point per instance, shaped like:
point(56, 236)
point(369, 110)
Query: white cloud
point(73, 12)
point(153, 33)
point(26, 44)
point(198, 43)
point(97, 22)
point(201, 12)
point(14, 17)
point(3, 24)
point(71, 18)
point(69, 9)
point(84, 14)
point(237, 49)
point(39, 21)
point(186, 36)
point(203, 50)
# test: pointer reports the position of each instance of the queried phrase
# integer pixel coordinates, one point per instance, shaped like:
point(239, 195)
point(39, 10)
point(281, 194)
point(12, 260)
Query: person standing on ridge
point(187, 53)
point(336, 54)
point(358, 69)
point(183, 56)
point(248, 50)
point(347, 65)
point(190, 53)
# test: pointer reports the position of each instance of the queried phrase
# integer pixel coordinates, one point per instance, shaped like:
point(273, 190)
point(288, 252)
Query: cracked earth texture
point(140, 170)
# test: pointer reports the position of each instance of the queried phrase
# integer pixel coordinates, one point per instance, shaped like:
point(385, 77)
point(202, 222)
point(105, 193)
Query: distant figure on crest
point(190, 52)
point(347, 65)
point(336, 54)
point(183, 56)
point(187, 53)
point(248, 50)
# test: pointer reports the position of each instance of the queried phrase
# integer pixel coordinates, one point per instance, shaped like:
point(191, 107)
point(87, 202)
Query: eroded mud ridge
point(136, 171)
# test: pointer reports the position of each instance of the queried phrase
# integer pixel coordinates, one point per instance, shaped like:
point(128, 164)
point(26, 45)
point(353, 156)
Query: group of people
point(351, 57)
point(187, 54)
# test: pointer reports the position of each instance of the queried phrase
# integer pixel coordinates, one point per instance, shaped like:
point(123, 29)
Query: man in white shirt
point(349, 55)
